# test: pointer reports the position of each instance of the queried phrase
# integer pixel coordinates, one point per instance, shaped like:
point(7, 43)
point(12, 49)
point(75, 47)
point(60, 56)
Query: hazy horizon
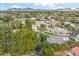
point(4, 6)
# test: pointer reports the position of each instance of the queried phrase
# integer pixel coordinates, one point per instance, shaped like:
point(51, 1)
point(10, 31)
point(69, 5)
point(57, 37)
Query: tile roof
point(75, 51)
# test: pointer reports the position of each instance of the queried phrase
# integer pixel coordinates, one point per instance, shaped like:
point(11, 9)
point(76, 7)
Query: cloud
point(16, 6)
point(60, 7)
point(45, 4)
point(36, 4)
point(42, 4)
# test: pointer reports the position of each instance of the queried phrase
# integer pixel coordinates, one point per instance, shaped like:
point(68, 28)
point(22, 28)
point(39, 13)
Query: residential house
point(73, 51)
point(60, 31)
point(57, 39)
point(38, 23)
point(71, 24)
point(53, 22)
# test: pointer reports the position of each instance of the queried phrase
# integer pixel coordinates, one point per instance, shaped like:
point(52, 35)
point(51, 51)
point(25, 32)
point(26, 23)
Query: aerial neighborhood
point(39, 32)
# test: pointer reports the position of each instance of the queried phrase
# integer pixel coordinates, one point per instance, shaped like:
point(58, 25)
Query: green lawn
point(48, 33)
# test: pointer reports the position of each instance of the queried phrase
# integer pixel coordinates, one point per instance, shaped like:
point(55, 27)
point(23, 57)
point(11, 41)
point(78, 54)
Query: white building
point(34, 27)
point(53, 22)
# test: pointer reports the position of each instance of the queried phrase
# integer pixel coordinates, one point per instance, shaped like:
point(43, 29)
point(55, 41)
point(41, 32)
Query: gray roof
point(55, 39)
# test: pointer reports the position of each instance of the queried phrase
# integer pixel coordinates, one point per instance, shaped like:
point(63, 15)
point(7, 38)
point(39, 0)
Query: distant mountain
point(19, 9)
point(68, 9)
point(31, 9)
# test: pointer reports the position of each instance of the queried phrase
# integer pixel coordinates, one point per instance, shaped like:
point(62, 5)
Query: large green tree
point(1, 37)
point(23, 42)
point(6, 33)
point(28, 24)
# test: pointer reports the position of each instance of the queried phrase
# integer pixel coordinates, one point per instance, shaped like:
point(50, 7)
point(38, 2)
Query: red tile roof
point(75, 51)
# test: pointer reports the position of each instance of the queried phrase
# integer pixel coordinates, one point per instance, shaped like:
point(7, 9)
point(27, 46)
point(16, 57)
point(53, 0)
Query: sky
point(4, 6)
